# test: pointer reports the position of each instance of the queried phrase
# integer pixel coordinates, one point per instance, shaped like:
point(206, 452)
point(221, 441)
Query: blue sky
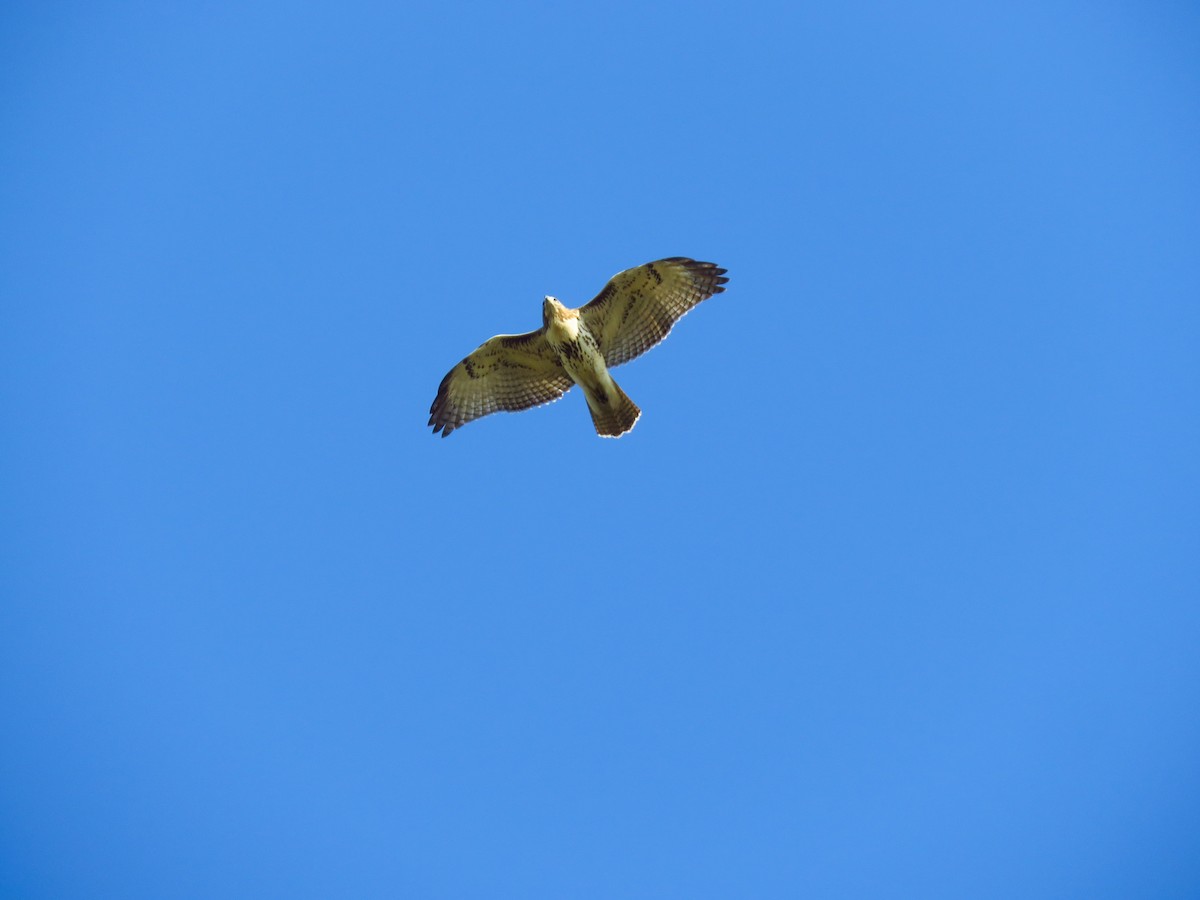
point(892, 591)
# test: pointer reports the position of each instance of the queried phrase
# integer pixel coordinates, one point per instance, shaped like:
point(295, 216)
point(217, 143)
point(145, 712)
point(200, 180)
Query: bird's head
point(552, 310)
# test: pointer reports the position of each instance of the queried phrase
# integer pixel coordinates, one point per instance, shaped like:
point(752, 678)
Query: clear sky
point(894, 590)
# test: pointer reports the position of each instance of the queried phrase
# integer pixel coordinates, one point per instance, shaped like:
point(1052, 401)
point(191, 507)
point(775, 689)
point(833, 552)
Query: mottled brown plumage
point(634, 311)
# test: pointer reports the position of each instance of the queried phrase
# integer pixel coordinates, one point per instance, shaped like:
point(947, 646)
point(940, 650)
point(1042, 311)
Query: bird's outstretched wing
point(510, 372)
point(640, 306)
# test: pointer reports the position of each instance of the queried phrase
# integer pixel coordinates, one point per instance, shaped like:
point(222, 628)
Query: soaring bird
point(634, 311)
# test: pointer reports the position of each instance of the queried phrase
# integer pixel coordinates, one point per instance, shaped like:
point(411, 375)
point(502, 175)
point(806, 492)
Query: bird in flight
point(634, 311)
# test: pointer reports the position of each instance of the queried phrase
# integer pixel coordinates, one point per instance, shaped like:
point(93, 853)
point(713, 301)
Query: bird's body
point(634, 311)
point(613, 413)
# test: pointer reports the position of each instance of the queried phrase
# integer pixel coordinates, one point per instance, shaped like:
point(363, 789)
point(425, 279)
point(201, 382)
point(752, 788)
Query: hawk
point(634, 311)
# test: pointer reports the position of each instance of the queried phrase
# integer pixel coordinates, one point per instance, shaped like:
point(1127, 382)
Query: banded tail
point(613, 413)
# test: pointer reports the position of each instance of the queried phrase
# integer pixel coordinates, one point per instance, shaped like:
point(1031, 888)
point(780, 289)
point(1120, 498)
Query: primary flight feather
point(634, 311)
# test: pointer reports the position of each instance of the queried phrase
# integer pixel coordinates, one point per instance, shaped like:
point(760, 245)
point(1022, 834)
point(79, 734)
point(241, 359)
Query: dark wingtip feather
point(437, 409)
point(710, 275)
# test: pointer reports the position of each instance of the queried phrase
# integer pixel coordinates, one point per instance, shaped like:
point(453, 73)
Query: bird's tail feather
point(613, 413)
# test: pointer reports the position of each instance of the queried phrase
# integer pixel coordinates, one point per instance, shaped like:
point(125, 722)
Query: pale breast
point(578, 351)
